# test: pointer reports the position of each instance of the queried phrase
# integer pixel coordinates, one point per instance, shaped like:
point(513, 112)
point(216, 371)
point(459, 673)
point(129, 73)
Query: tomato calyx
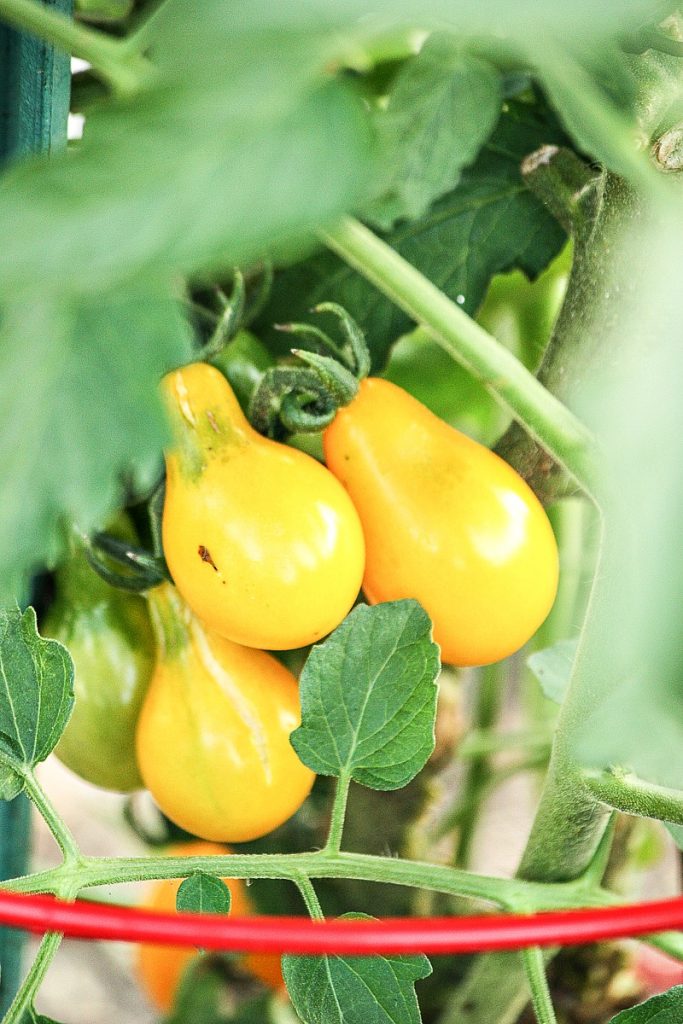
point(296, 399)
point(123, 565)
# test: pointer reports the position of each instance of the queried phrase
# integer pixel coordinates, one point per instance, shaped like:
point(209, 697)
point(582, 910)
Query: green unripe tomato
point(109, 636)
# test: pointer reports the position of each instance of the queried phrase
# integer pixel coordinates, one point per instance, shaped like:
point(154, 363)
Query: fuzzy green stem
point(625, 791)
point(572, 522)
point(670, 943)
point(562, 181)
point(595, 872)
point(341, 796)
point(574, 88)
point(482, 742)
point(125, 73)
point(544, 416)
point(33, 980)
point(138, 40)
point(480, 770)
point(507, 894)
point(534, 965)
point(310, 898)
point(63, 837)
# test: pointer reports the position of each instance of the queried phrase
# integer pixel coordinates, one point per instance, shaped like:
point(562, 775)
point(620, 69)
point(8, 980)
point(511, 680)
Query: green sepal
point(355, 339)
point(341, 384)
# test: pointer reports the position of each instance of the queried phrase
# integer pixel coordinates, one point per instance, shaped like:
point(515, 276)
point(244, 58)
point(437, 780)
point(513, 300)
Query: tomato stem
point(479, 770)
point(33, 980)
point(508, 894)
point(625, 791)
point(310, 898)
point(534, 965)
point(63, 837)
point(482, 742)
point(341, 796)
point(125, 73)
point(170, 619)
point(501, 373)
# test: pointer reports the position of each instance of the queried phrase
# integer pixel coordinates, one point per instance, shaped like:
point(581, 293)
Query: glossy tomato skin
point(161, 968)
point(446, 522)
point(109, 636)
point(261, 540)
point(213, 735)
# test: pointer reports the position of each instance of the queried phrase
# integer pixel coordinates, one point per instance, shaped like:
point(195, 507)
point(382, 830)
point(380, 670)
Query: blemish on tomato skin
point(205, 556)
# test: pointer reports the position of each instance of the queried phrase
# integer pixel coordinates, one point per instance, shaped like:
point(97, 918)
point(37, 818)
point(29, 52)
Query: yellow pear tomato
point(446, 522)
point(212, 739)
point(261, 540)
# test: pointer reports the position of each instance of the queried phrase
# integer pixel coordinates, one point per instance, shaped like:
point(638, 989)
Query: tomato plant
point(284, 235)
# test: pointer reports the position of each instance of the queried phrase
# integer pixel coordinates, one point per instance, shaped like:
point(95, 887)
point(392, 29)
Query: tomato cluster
point(268, 550)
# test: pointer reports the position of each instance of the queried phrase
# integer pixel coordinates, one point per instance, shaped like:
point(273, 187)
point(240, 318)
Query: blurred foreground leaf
point(632, 715)
point(79, 411)
point(527, 21)
point(187, 176)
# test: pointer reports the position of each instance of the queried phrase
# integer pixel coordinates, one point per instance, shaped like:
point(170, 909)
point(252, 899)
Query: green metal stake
point(14, 846)
point(34, 104)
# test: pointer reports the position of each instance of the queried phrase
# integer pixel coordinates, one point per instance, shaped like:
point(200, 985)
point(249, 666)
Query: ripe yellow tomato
point(160, 968)
point(212, 739)
point(261, 540)
point(446, 522)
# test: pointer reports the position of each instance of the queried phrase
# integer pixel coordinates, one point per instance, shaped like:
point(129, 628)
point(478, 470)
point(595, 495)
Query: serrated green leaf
point(552, 667)
point(663, 1009)
point(491, 222)
point(203, 894)
point(441, 107)
point(36, 696)
point(368, 697)
point(79, 409)
point(355, 990)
